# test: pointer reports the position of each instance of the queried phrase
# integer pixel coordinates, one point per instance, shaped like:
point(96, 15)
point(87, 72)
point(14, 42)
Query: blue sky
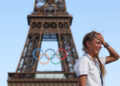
point(99, 15)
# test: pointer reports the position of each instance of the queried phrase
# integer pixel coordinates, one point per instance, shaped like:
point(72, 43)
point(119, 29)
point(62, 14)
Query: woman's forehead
point(96, 39)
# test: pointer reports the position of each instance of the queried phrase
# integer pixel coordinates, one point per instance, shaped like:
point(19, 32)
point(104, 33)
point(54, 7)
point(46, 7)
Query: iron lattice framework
point(48, 22)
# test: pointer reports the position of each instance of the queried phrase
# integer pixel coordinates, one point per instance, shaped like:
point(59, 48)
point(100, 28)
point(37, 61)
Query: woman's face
point(95, 46)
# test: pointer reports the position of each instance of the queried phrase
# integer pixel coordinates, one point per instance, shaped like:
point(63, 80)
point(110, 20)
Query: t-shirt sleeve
point(81, 67)
point(103, 60)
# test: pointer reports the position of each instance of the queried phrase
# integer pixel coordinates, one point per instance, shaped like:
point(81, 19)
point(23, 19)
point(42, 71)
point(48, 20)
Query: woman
point(90, 68)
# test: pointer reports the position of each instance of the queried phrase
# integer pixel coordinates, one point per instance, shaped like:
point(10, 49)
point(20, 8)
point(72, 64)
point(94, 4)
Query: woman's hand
point(113, 54)
point(100, 37)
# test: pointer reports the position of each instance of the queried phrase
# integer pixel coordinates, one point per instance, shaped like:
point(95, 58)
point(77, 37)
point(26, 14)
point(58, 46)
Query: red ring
point(64, 56)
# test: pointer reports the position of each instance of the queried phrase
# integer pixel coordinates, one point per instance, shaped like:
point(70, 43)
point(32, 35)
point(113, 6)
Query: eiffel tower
point(49, 21)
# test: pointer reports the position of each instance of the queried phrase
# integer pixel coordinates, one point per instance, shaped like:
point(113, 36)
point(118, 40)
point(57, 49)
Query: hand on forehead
point(99, 36)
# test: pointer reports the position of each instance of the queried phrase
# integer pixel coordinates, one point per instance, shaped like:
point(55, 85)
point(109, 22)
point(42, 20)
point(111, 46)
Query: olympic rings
point(34, 53)
point(54, 62)
point(51, 50)
point(51, 57)
point(65, 54)
point(45, 55)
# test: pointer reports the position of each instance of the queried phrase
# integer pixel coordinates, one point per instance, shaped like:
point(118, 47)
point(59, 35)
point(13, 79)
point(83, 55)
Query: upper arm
point(110, 59)
point(81, 67)
point(82, 80)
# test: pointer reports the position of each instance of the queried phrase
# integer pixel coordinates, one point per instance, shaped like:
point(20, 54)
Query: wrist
point(106, 45)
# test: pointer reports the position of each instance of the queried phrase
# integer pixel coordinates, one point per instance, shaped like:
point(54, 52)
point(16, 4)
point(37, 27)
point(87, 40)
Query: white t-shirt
point(86, 66)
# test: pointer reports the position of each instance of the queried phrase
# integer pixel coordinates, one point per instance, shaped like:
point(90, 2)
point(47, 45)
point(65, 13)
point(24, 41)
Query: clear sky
point(99, 15)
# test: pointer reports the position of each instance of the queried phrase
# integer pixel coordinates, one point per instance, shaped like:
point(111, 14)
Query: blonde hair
point(89, 37)
point(102, 68)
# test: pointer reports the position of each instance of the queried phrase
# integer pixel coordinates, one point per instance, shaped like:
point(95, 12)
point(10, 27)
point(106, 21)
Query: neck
point(91, 54)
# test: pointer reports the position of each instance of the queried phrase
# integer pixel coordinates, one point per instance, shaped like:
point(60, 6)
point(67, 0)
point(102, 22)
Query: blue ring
point(33, 54)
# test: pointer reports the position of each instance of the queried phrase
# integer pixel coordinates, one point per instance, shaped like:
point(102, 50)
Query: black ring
point(53, 52)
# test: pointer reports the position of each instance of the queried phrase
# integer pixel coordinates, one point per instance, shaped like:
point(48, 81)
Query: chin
point(96, 54)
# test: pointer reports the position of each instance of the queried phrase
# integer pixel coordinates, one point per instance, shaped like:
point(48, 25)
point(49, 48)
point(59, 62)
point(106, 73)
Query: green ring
point(54, 62)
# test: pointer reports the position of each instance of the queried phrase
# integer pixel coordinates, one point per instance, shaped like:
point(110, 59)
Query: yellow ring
point(45, 55)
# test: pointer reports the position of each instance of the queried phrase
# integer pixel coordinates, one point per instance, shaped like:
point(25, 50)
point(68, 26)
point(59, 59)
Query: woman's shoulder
point(83, 58)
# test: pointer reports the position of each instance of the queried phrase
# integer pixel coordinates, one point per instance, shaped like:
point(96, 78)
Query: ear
point(88, 44)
